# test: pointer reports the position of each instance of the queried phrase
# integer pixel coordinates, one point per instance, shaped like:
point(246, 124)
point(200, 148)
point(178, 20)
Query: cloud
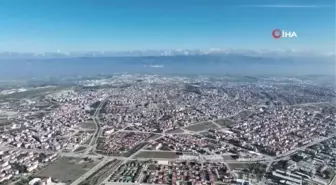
point(286, 6)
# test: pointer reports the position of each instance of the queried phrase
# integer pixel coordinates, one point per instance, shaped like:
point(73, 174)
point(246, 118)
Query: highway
point(97, 156)
point(279, 157)
point(128, 183)
point(106, 159)
point(333, 181)
point(96, 120)
point(90, 172)
point(286, 155)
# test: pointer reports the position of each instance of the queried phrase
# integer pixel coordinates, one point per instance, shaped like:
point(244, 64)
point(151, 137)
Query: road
point(109, 158)
point(126, 183)
point(286, 155)
point(97, 156)
point(333, 181)
point(305, 146)
point(90, 172)
point(96, 120)
point(73, 154)
point(98, 131)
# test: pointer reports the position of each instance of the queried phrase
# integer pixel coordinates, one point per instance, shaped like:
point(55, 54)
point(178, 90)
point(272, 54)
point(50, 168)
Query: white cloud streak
point(286, 6)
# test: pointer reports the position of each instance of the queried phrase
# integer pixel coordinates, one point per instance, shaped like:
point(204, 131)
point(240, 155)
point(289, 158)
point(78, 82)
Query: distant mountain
point(219, 63)
point(175, 52)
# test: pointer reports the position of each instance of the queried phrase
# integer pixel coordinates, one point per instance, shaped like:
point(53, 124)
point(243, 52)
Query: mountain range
point(167, 52)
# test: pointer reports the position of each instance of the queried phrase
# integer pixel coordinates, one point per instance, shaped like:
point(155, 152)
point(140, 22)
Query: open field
point(80, 149)
point(153, 137)
point(238, 165)
point(88, 140)
point(101, 174)
point(333, 181)
point(332, 176)
point(175, 131)
point(4, 124)
point(155, 154)
point(66, 169)
point(242, 165)
point(31, 93)
point(224, 122)
point(227, 157)
point(89, 125)
point(201, 126)
point(135, 149)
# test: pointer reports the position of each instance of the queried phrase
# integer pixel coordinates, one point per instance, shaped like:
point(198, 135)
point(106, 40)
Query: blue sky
point(96, 25)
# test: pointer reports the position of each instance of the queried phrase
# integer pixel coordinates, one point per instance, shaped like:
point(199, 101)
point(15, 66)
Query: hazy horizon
point(205, 64)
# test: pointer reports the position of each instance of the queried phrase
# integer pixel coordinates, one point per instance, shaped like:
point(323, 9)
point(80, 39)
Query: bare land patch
point(156, 154)
point(175, 131)
point(89, 125)
point(66, 169)
point(201, 126)
point(225, 122)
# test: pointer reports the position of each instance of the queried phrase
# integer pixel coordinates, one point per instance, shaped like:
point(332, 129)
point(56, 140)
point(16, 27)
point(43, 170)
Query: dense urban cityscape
point(151, 129)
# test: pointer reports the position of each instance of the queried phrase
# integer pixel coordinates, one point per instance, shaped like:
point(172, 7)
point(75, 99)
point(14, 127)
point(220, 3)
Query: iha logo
point(277, 34)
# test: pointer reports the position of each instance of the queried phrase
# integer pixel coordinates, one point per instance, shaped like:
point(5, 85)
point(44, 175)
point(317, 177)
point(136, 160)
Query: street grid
point(192, 137)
